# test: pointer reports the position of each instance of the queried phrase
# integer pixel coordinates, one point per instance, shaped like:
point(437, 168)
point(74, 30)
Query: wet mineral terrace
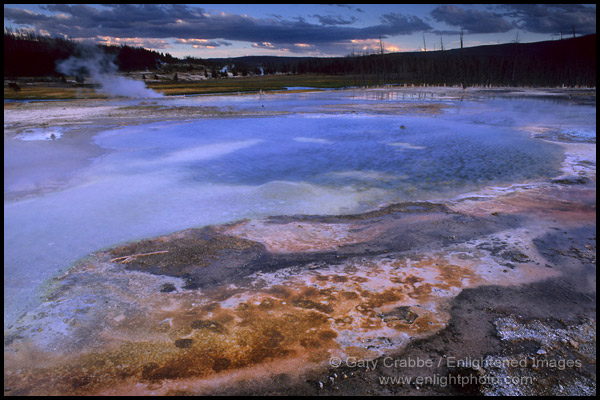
point(261, 299)
point(263, 306)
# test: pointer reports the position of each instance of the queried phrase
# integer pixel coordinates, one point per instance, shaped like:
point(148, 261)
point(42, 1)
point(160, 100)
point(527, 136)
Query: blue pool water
point(410, 157)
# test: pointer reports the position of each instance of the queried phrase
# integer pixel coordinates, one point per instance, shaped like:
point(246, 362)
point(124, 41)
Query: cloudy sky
point(231, 30)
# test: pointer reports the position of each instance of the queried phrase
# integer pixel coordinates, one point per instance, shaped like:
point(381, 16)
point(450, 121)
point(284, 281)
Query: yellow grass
point(45, 91)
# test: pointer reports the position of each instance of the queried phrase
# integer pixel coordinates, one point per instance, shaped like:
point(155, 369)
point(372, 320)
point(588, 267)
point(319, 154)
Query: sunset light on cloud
point(325, 30)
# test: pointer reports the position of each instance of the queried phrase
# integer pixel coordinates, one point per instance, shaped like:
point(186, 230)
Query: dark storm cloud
point(472, 21)
point(184, 22)
point(554, 18)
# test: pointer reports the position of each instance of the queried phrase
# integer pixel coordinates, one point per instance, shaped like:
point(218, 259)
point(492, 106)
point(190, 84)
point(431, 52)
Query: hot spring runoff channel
point(162, 177)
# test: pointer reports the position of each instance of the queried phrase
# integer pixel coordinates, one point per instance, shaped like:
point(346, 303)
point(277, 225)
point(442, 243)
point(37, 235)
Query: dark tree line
point(569, 62)
point(29, 54)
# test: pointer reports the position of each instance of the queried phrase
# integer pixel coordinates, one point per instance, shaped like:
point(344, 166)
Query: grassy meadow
point(62, 91)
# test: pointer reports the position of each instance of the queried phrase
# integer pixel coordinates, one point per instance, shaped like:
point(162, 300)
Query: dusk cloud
point(472, 21)
point(134, 42)
point(203, 43)
point(334, 19)
point(554, 18)
point(185, 23)
point(349, 7)
point(536, 18)
point(399, 24)
point(312, 30)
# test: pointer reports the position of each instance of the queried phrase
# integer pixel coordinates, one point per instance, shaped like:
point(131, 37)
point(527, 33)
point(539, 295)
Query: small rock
point(154, 386)
point(520, 257)
point(167, 288)
point(183, 343)
point(571, 180)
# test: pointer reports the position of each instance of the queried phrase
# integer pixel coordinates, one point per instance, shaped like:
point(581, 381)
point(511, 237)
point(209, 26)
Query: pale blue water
point(426, 158)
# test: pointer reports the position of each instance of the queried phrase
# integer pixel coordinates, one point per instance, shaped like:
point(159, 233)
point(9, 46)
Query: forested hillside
point(28, 54)
point(570, 62)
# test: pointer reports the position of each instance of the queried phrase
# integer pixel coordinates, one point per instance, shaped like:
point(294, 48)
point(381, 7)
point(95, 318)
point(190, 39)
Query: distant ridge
point(568, 62)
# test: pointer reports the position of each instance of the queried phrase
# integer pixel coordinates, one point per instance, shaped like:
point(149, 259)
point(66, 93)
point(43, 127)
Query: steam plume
point(99, 66)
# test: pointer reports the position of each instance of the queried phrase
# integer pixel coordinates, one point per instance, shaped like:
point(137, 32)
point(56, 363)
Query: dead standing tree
point(382, 59)
point(463, 64)
point(516, 56)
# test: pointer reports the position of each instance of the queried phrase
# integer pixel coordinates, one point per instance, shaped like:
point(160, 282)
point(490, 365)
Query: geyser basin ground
point(484, 190)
